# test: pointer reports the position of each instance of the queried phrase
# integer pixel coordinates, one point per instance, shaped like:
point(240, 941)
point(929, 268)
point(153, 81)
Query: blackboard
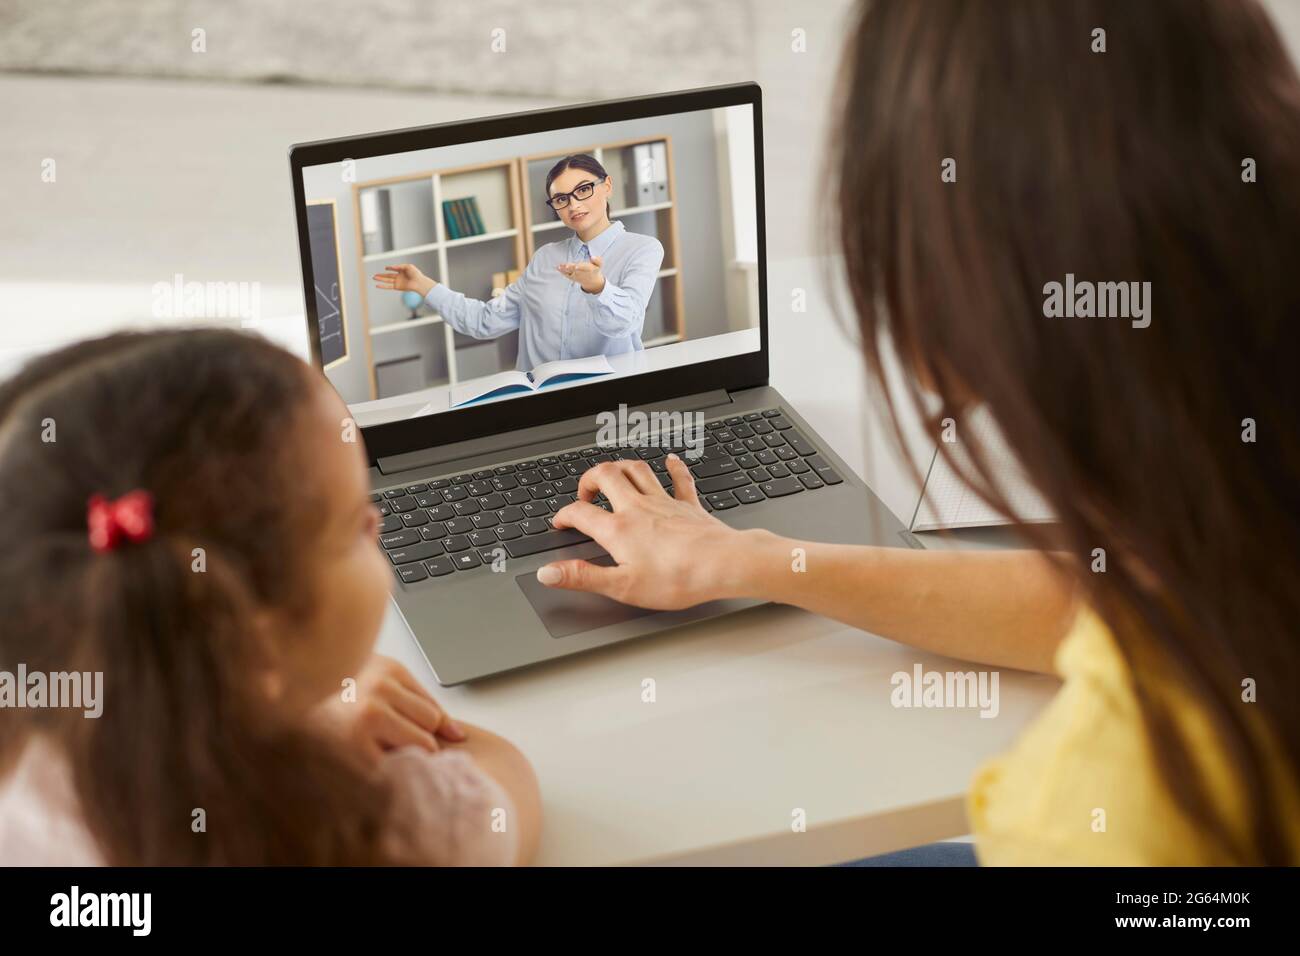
point(322, 233)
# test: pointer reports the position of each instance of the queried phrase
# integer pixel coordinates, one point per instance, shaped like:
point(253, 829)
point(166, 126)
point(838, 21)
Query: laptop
point(482, 402)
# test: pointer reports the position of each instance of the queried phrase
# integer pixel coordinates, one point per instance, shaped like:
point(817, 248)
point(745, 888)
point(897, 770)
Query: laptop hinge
point(576, 428)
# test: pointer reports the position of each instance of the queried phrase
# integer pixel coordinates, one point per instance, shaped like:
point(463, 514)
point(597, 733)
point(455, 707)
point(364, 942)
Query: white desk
point(756, 715)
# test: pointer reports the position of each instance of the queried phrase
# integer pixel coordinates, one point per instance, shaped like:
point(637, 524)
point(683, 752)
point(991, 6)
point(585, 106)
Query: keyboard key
point(762, 428)
point(536, 509)
point(781, 487)
point(439, 566)
point(439, 484)
point(753, 417)
point(433, 532)
point(771, 413)
point(503, 469)
point(410, 573)
point(529, 477)
point(482, 539)
point(768, 457)
point(759, 474)
point(533, 525)
point(508, 532)
point(485, 521)
point(778, 470)
point(390, 523)
point(798, 466)
point(749, 495)
point(414, 519)
point(786, 453)
point(374, 498)
point(811, 481)
point(743, 431)
point(404, 503)
point(429, 500)
point(733, 420)
point(467, 507)
point(459, 526)
point(510, 515)
point(728, 482)
point(441, 513)
point(824, 470)
point(800, 444)
point(711, 469)
point(491, 502)
point(536, 543)
point(505, 482)
point(395, 493)
point(479, 488)
point(416, 552)
point(399, 539)
point(416, 489)
point(483, 474)
point(723, 500)
point(454, 493)
point(773, 440)
point(781, 424)
point(457, 542)
point(462, 479)
point(466, 560)
point(516, 496)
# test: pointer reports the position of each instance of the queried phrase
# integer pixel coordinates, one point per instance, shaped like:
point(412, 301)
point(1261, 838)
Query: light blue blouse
point(556, 319)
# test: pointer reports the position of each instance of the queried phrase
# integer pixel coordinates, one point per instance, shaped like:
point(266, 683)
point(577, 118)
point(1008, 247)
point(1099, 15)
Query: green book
point(479, 228)
point(449, 217)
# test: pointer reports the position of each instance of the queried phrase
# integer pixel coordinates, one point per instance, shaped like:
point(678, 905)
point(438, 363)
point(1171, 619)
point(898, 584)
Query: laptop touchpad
point(572, 612)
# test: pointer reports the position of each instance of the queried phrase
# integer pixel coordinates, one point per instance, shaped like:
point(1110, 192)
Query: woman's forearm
point(1004, 608)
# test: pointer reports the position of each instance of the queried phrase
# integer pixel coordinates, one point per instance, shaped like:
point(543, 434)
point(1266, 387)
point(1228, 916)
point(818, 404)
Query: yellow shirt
point(1081, 786)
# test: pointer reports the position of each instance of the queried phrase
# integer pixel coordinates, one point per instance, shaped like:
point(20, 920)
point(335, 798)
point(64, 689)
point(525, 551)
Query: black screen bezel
point(730, 372)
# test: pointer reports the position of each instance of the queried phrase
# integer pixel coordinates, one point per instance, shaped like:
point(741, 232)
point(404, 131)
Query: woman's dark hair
point(204, 421)
point(577, 161)
point(1132, 164)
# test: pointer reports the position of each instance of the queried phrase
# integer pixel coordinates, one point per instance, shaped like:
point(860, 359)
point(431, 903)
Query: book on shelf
point(643, 164)
point(515, 382)
point(376, 221)
point(502, 280)
point(659, 161)
point(462, 218)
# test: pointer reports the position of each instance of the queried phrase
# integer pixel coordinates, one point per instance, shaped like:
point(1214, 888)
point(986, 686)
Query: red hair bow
point(110, 522)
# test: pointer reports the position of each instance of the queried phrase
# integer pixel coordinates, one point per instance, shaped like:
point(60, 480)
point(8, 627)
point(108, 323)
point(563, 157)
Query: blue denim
point(932, 854)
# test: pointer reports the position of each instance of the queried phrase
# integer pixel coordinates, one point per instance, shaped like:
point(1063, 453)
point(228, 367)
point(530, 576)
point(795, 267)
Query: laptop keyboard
point(461, 522)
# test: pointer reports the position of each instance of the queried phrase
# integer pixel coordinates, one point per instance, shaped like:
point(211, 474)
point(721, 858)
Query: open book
point(509, 383)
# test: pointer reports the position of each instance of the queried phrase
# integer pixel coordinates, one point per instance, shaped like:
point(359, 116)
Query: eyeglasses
point(582, 191)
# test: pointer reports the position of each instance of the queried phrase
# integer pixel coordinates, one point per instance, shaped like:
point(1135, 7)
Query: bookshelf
point(665, 316)
point(509, 194)
point(400, 219)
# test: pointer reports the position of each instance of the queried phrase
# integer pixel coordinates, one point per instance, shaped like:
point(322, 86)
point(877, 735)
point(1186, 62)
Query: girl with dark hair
point(581, 296)
point(983, 153)
point(187, 516)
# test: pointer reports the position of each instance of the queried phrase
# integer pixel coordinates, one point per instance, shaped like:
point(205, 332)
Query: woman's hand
point(586, 274)
point(671, 553)
point(404, 278)
point(387, 709)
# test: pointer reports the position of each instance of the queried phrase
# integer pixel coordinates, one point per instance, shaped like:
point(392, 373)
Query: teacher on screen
point(581, 296)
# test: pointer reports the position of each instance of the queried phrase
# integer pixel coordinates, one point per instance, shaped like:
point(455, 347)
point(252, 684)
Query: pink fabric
point(444, 812)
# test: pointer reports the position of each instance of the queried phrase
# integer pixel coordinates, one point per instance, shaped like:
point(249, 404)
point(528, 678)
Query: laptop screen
point(501, 270)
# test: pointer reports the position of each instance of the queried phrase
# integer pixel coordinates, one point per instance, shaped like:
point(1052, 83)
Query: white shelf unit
point(418, 231)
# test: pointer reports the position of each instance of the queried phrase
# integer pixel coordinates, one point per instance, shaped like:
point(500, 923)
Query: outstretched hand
point(586, 274)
